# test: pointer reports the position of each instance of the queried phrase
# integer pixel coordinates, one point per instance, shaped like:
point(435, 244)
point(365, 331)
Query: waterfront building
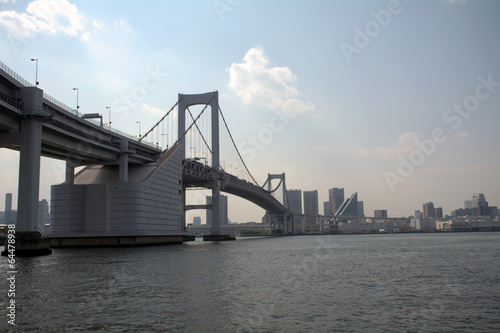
point(439, 212)
point(429, 210)
point(478, 206)
point(196, 221)
point(423, 224)
point(43, 214)
point(8, 209)
point(295, 202)
point(361, 208)
point(380, 213)
point(311, 206)
point(268, 218)
point(336, 198)
point(349, 207)
point(360, 226)
point(326, 209)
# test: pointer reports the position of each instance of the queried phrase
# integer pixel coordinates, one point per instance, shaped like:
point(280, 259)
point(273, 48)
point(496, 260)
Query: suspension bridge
point(132, 190)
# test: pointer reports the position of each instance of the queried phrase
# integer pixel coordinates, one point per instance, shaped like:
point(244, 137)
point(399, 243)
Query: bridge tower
point(212, 99)
point(286, 228)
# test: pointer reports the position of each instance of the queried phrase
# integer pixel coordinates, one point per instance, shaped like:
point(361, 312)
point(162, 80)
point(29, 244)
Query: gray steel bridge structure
point(36, 124)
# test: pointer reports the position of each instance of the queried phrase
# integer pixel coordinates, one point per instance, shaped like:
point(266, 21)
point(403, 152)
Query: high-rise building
point(326, 209)
point(480, 205)
point(336, 198)
point(439, 212)
point(311, 206)
point(380, 213)
point(196, 220)
point(477, 198)
point(223, 210)
point(295, 202)
point(43, 214)
point(467, 204)
point(419, 214)
point(429, 210)
point(8, 209)
point(268, 218)
point(349, 207)
point(361, 208)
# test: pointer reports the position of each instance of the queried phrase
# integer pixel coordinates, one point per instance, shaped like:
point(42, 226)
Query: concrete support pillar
point(123, 168)
point(29, 159)
point(29, 174)
point(285, 223)
point(269, 219)
point(270, 225)
point(216, 209)
point(182, 210)
point(320, 223)
point(123, 162)
point(214, 105)
point(70, 173)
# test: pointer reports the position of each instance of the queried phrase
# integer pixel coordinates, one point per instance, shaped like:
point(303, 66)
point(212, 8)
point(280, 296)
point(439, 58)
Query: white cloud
point(97, 25)
point(387, 151)
point(408, 137)
point(86, 37)
point(322, 149)
point(151, 110)
point(43, 16)
point(256, 82)
point(123, 26)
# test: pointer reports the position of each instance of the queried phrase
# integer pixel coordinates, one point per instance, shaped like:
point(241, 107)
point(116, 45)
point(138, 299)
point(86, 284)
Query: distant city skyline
point(403, 114)
point(477, 206)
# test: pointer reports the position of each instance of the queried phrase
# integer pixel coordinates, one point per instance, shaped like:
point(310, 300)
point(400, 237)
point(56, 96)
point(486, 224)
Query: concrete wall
point(149, 204)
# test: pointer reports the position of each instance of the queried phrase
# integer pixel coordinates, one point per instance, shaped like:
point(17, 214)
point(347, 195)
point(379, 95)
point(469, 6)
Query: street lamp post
point(138, 122)
point(36, 74)
point(77, 106)
point(109, 117)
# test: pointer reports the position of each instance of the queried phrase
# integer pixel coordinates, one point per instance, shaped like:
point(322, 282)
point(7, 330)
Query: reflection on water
point(376, 283)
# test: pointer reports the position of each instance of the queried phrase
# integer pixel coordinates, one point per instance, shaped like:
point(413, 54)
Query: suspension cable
point(234, 144)
point(152, 128)
point(194, 122)
point(281, 181)
point(201, 134)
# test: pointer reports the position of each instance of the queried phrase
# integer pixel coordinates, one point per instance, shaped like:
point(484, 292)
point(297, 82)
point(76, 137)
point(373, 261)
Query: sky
point(396, 100)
